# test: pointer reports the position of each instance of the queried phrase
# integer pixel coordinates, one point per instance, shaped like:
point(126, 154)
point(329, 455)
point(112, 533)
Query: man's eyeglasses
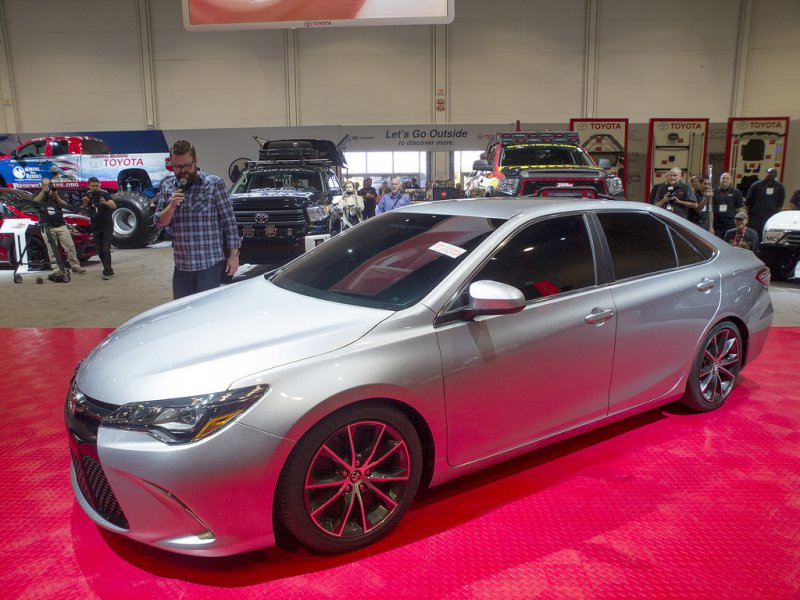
point(181, 167)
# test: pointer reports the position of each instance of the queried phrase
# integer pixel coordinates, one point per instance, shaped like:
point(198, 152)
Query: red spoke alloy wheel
point(350, 479)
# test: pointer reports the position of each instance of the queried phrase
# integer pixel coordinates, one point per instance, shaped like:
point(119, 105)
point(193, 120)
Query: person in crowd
point(413, 184)
point(428, 191)
point(369, 195)
point(100, 207)
point(741, 235)
point(352, 204)
point(459, 190)
point(703, 192)
point(674, 195)
point(394, 198)
point(51, 211)
point(725, 203)
point(764, 198)
point(197, 207)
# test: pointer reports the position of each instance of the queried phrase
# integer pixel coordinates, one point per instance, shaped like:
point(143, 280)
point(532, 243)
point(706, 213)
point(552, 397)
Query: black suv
point(282, 200)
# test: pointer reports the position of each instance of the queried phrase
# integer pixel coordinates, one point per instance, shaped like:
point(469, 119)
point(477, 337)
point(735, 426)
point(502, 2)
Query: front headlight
point(184, 420)
point(508, 185)
point(316, 214)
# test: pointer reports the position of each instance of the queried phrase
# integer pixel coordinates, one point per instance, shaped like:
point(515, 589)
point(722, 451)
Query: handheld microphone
point(670, 189)
point(182, 183)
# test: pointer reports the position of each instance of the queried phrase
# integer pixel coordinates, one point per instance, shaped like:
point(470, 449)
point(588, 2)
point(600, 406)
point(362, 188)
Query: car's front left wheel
point(350, 479)
point(715, 368)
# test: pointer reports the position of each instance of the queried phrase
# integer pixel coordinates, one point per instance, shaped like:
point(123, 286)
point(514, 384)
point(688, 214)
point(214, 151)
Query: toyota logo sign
point(262, 218)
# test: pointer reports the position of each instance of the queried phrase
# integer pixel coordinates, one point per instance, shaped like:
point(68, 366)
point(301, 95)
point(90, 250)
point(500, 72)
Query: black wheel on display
point(715, 368)
point(17, 278)
point(133, 221)
point(350, 479)
point(783, 268)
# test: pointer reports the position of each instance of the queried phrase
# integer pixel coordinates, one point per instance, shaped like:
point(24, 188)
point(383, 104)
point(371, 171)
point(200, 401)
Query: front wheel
point(715, 368)
point(782, 268)
point(350, 479)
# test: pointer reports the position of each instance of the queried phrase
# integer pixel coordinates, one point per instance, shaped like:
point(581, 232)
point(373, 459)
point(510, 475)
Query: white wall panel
point(77, 64)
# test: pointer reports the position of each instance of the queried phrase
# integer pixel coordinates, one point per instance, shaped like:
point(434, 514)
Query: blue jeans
point(186, 283)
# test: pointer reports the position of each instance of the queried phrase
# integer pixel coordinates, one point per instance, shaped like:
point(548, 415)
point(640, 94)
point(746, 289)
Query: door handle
point(598, 316)
point(705, 285)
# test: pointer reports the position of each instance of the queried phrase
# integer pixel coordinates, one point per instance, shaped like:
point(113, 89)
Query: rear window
point(639, 244)
point(95, 147)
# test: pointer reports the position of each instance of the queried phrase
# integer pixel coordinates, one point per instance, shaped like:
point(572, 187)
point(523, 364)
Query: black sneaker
point(108, 275)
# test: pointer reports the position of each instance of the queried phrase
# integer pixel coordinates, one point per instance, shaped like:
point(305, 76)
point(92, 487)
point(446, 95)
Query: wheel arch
point(419, 423)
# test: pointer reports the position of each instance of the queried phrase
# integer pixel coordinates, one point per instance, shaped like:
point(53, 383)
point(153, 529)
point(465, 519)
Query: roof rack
point(539, 137)
point(251, 164)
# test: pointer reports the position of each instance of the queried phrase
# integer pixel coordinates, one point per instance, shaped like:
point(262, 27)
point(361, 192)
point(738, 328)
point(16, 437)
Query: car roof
point(502, 208)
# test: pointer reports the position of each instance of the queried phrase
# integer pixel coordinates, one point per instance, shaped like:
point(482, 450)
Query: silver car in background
point(416, 347)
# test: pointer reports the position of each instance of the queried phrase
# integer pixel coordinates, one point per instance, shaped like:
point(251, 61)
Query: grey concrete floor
point(144, 280)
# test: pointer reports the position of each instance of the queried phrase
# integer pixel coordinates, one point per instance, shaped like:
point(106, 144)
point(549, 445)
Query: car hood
point(200, 344)
point(787, 219)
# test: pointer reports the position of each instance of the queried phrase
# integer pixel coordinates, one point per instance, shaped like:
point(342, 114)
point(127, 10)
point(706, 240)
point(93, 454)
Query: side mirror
point(481, 165)
point(486, 298)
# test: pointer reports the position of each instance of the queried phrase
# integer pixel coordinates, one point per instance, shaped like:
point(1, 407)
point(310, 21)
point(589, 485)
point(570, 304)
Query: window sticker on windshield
point(447, 249)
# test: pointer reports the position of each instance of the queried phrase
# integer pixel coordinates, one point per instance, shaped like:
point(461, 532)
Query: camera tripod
point(61, 272)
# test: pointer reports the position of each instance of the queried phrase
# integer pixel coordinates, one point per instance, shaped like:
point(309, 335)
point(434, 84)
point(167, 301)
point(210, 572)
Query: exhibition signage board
point(754, 145)
point(605, 138)
point(290, 14)
point(675, 143)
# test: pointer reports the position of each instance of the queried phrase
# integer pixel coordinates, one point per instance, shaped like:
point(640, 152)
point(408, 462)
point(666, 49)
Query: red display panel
point(605, 138)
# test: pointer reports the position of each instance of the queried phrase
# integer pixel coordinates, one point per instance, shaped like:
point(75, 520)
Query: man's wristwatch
point(234, 252)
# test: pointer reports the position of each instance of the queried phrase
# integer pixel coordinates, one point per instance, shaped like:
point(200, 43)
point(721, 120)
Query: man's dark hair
point(183, 147)
point(93, 179)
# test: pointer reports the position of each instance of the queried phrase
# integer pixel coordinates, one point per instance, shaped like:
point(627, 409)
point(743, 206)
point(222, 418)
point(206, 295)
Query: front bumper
point(209, 498)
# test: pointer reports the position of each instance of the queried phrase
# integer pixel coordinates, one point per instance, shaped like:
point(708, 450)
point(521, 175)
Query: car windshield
point(523, 156)
point(277, 179)
point(390, 262)
point(24, 204)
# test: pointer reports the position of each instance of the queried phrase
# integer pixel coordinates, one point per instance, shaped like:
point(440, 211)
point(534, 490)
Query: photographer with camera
point(674, 195)
point(100, 207)
point(51, 214)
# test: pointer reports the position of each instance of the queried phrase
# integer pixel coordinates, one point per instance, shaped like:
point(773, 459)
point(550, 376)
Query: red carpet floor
point(667, 504)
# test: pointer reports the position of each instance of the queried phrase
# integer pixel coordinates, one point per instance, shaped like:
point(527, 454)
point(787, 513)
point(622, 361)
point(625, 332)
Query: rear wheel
point(715, 368)
point(350, 479)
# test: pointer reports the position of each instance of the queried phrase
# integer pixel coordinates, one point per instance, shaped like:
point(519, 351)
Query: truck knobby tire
point(133, 220)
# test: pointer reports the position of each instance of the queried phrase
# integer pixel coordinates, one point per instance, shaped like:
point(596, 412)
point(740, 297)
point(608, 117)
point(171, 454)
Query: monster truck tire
point(133, 221)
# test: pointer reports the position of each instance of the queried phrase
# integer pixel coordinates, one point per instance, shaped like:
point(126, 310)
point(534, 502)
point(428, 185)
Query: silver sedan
point(416, 347)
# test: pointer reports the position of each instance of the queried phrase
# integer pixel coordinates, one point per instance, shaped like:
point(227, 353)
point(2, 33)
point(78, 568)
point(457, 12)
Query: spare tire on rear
point(133, 220)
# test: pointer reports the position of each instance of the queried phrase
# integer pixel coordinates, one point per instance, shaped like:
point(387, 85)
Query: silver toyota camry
point(416, 347)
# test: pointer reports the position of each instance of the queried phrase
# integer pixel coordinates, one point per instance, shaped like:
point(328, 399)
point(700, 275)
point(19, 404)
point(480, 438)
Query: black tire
point(715, 369)
point(782, 269)
point(133, 221)
point(340, 504)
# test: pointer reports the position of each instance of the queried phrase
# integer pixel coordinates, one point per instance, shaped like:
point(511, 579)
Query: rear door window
point(639, 243)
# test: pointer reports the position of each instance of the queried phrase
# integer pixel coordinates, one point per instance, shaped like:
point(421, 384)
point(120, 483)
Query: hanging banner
point(605, 139)
point(290, 14)
point(753, 146)
point(676, 143)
